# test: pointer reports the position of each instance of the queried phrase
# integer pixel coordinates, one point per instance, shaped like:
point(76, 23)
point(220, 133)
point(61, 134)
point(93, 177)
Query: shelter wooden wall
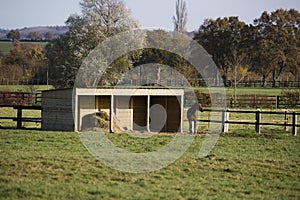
point(57, 112)
point(173, 114)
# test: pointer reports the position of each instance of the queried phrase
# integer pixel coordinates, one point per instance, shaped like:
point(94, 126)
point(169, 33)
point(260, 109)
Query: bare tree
point(111, 15)
point(100, 19)
point(180, 19)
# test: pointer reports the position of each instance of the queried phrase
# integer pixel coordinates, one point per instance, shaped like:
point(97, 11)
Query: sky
point(150, 13)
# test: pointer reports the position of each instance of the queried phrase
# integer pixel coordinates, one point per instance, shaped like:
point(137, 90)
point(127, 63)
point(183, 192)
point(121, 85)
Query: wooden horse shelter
point(147, 110)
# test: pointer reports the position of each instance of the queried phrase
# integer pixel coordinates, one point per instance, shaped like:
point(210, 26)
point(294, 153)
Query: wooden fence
point(252, 101)
point(19, 118)
point(257, 101)
point(257, 122)
point(19, 98)
point(267, 84)
point(23, 82)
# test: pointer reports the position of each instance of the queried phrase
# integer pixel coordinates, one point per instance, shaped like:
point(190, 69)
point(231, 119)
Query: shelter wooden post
point(257, 121)
point(76, 116)
point(112, 114)
point(148, 113)
point(181, 114)
point(294, 127)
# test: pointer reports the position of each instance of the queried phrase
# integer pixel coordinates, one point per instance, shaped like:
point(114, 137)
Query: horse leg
point(190, 126)
point(195, 126)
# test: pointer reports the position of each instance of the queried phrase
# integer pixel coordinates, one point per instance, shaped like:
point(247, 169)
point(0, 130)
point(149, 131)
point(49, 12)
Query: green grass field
point(229, 91)
point(25, 88)
point(55, 165)
point(243, 90)
point(6, 46)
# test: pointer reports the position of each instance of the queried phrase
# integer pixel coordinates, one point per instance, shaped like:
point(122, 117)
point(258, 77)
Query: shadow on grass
point(268, 134)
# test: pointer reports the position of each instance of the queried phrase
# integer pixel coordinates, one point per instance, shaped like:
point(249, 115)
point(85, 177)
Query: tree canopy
point(24, 62)
point(13, 35)
point(269, 48)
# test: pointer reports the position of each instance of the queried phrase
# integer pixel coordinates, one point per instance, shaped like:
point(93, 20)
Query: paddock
point(143, 110)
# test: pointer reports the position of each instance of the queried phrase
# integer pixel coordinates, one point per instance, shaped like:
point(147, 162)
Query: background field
point(10, 112)
point(229, 91)
point(6, 46)
point(55, 165)
point(25, 88)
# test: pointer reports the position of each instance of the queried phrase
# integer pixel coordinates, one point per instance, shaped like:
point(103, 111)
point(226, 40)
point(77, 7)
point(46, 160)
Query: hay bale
point(95, 121)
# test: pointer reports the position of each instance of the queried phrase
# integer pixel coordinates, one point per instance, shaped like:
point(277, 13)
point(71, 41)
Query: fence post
point(257, 121)
point(286, 120)
point(294, 129)
point(277, 101)
point(225, 118)
point(19, 118)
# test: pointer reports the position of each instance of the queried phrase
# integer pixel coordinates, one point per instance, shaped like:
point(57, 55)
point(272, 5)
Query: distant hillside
point(55, 30)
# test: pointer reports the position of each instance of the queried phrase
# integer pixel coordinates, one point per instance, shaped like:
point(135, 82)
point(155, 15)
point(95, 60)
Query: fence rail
point(257, 121)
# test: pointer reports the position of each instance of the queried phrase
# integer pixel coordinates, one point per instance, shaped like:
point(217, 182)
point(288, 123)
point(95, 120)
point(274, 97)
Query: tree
point(160, 56)
point(111, 15)
point(223, 39)
point(34, 36)
point(48, 35)
point(100, 19)
point(180, 19)
point(13, 35)
point(277, 43)
point(24, 62)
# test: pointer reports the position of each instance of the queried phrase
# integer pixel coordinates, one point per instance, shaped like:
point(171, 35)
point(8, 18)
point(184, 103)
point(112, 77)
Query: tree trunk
point(158, 75)
point(274, 78)
point(235, 83)
point(263, 82)
point(224, 80)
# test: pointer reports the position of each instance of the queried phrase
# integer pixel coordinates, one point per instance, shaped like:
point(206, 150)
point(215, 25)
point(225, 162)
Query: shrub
point(291, 97)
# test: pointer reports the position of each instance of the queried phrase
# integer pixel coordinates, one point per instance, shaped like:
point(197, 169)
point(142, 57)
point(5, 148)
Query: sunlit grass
point(11, 112)
point(55, 165)
point(25, 88)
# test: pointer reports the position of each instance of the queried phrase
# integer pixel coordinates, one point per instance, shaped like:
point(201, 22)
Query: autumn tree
point(24, 62)
point(277, 43)
point(100, 19)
